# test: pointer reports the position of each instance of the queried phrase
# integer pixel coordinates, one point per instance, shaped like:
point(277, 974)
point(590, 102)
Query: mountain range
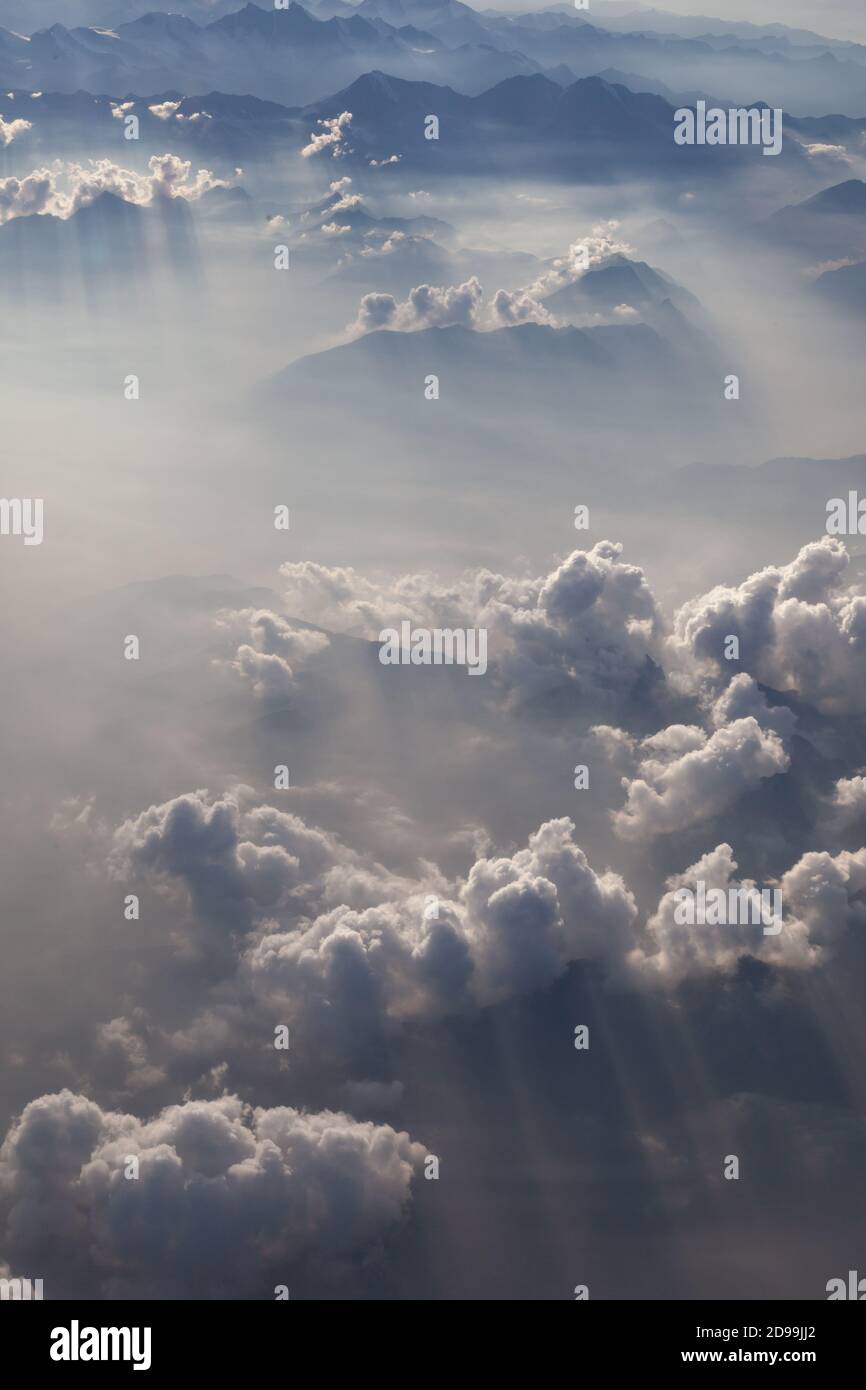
point(830, 225)
point(590, 130)
point(266, 52)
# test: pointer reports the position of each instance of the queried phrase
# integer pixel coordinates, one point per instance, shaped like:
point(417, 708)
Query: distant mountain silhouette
point(829, 225)
point(107, 241)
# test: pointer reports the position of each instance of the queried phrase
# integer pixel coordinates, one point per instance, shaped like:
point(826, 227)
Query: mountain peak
point(849, 196)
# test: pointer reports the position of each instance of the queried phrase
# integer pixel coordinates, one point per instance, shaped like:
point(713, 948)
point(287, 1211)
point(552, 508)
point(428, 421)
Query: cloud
point(10, 130)
point(821, 899)
point(24, 197)
point(346, 202)
point(335, 229)
point(240, 862)
point(519, 307)
point(164, 110)
point(583, 255)
point(426, 307)
point(275, 650)
point(836, 152)
point(387, 247)
point(328, 939)
point(330, 137)
point(824, 895)
point(799, 630)
point(122, 1058)
point(65, 187)
point(676, 951)
point(848, 803)
point(684, 775)
point(590, 626)
point(229, 1199)
point(513, 926)
point(429, 306)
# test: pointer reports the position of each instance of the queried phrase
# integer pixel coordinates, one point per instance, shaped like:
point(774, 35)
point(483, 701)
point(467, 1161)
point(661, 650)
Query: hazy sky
point(845, 19)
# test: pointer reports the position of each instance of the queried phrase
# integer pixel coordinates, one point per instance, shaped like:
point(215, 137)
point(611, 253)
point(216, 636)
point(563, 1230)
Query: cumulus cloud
point(823, 151)
point(23, 197)
point(10, 130)
point(676, 950)
point(590, 626)
point(508, 309)
point(240, 862)
point(390, 244)
point(331, 137)
point(328, 938)
point(824, 895)
point(513, 926)
point(229, 1199)
point(848, 803)
point(122, 1056)
point(429, 306)
point(684, 775)
point(164, 110)
point(583, 255)
point(65, 187)
point(821, 899)
point(275, 650)
point(799, 630)
point(346, 202)
point(426, 307)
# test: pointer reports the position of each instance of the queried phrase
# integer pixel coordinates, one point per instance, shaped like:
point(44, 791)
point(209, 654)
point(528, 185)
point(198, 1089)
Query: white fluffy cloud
point(512, 927)
point(432, 306)
point(65, 187)
point(387, 245)
point(22, 197)
point(10, 130)
point(164, 110)
point(240, 861)
point(676, 951)
point(228, 1199)
point(275, 650)
point(848, 803)
point(824, 151)
point(331, 136)
point(586, 254)
point(509, 308)
point(684, 775)
point(330, 936)
point(591, 624)
point(821, 899)
point(799, 630)
point(427, 306)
